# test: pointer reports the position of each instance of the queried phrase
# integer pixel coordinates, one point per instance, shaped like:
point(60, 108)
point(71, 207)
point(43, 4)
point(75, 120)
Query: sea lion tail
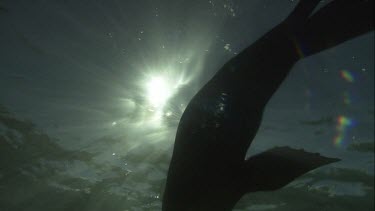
point(301, 13)
point(277, 167)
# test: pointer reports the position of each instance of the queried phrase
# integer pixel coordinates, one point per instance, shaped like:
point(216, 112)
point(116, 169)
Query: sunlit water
point(91, 93)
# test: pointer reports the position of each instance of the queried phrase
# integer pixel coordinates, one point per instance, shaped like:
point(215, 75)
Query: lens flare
point(343, 124)
point(300, 48)
point(347, 76)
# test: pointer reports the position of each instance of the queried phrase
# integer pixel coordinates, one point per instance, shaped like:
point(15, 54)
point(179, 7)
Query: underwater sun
point(160, 98)
point(158, 91)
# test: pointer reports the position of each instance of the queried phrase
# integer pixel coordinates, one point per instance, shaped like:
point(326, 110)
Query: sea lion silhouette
point(208, 170)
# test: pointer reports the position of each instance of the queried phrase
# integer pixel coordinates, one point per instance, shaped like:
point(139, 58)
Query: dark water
point(91, 93)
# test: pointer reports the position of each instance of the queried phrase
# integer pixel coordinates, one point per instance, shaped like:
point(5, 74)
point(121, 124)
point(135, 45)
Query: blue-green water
point(81, 128)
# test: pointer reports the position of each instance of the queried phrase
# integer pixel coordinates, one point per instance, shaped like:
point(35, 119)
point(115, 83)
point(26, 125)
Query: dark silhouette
point(208, 170)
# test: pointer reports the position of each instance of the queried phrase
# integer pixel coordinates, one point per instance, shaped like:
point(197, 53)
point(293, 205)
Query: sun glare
point(158, 91)
point(158, 88)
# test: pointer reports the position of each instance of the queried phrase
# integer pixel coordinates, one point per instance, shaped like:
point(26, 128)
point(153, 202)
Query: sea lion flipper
point(301, 12)
point(277, 167)
point(331, 25)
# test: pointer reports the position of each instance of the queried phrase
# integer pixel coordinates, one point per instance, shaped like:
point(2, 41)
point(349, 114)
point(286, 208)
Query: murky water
point(91, 93)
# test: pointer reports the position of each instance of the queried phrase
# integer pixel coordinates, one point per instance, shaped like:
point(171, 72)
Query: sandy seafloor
point(79, 130)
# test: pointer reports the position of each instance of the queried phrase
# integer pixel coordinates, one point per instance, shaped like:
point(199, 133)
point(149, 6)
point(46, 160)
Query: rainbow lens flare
point(300, 49)
point(343, 124)
point(347, 76)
